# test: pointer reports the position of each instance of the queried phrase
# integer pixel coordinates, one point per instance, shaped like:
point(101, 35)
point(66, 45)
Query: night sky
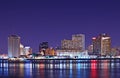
point(36, 21)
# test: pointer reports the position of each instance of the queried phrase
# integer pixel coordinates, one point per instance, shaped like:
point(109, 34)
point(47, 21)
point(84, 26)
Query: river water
point(93, 69)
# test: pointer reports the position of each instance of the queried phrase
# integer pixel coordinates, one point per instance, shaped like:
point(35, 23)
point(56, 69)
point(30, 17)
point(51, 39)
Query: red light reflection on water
point(94, 71)
point(99, 69)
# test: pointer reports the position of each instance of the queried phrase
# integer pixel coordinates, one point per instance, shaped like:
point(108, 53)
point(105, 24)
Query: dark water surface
point(80, 70)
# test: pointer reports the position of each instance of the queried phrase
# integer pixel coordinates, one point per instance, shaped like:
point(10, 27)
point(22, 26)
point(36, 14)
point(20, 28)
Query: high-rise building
point(73, 47)
point(42, 47)
point(90, 49)
point(13, 46)
point(102, 44)
point(77, 43)
point(22, 49)
point(27, 50)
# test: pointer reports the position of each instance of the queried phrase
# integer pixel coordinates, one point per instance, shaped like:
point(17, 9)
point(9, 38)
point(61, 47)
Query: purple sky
point(36, 21)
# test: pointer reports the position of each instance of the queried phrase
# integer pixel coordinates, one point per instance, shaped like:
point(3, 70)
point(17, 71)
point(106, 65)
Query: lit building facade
point(73, 47)
point(102, 44)
point(73, 54)
point(77, 43)
point(22, 50)
point(50, 52)
point(27, 50)
point(43, 47)
point(90, 48)
point(13, 46)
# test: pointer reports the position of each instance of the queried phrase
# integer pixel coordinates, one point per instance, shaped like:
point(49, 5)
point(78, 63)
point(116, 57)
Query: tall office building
point(42, 47)
point(81, 40)
point(77, 43)
point(102, 44)
point(22, 49)
point(13, 46)
point(90, 49)
point(27, 50)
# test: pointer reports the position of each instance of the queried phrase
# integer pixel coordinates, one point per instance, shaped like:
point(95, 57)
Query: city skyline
point(64, 40)
point(40, 21)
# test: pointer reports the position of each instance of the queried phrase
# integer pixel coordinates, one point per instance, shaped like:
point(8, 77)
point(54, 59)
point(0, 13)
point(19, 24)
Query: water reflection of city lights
point(93, 69)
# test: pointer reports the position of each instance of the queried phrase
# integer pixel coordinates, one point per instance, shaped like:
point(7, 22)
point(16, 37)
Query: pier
point(60, 61)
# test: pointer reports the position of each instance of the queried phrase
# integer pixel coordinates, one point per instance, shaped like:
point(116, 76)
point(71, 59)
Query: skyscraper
point(81, 40)
point(77, 43)
point(27, 50)
point(22, 49)
point(43, 46)
point(102, 44)
point(73, 47)
point(90, 49)
point(13, 46)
